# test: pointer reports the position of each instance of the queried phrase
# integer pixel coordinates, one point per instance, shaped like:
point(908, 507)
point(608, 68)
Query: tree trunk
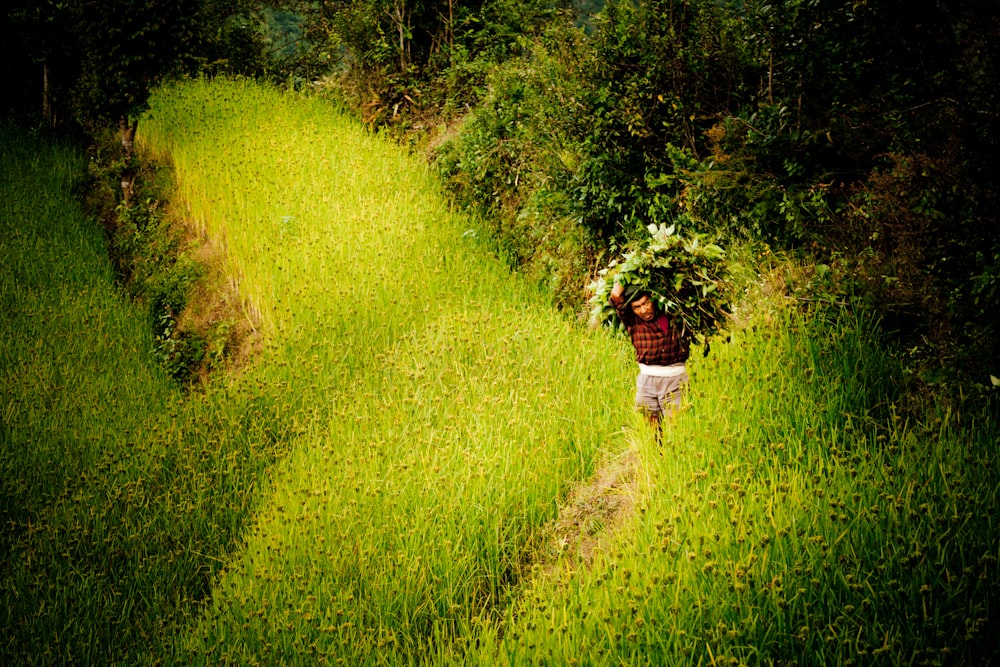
point(46, 100)
point(128, 136)
point(399, 16)
point(451, 27)
point(128, 151)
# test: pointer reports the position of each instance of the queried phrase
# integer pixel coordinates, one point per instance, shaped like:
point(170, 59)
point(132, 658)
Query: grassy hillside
point(382, 485)
point(439, 406)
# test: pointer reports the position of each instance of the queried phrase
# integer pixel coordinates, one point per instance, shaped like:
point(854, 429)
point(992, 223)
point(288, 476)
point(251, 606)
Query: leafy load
point(685, 275)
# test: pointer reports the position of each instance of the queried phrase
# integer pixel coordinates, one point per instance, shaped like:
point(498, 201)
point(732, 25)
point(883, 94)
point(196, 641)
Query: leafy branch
point(685, 275)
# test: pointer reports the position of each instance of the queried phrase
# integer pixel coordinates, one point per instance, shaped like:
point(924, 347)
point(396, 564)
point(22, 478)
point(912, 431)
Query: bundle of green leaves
point(686, 276)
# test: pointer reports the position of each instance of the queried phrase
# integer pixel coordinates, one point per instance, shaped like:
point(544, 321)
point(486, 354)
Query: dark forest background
point(858, 136)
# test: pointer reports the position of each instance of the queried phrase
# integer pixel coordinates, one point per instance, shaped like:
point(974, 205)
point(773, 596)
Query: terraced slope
point(382, 483)
point(438, 406)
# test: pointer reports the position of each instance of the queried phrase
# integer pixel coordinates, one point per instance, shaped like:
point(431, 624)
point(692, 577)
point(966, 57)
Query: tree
point(391, 51)
point(99, 59)
point(39, 60)
point(127, 47)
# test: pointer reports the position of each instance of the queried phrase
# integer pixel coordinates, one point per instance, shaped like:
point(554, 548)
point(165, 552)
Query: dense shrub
point(516, 161)
point(583, 131)
point(859, 132)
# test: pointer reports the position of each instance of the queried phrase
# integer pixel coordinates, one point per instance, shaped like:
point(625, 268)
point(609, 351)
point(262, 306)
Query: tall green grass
point(373, 488)
point(793, 516)
point(441, 405)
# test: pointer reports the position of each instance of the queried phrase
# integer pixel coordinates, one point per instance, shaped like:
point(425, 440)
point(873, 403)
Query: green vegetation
point(386, 446)
point(791, 517)
point(859, 134)
point(440, 407)
point(119, 498)
point(685, 275)
point(376, 486)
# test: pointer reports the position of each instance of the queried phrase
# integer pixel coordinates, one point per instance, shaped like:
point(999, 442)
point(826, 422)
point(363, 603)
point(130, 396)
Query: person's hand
point(617, 291)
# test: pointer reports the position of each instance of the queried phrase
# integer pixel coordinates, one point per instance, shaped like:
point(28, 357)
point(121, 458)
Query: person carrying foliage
point(661, 351)
point(665, 291)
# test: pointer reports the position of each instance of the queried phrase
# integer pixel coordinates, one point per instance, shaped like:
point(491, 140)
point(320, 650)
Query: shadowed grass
point(119, 499)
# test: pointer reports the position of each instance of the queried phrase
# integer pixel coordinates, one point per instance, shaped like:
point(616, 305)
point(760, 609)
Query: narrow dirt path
point(593, 513)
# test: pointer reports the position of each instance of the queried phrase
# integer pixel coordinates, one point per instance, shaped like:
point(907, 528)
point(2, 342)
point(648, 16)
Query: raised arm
point(616, 295)
point(617, 300)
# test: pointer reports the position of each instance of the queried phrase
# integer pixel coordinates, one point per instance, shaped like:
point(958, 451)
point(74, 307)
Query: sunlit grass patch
point(442, 408)
point(792, 518)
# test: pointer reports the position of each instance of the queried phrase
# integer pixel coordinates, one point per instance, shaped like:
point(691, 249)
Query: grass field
point(381, 484)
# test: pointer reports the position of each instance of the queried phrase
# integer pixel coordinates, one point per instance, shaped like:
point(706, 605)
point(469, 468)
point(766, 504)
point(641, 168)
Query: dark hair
point(633, 293)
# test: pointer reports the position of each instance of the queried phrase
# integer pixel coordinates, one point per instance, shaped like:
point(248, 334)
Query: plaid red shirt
point(656, 342)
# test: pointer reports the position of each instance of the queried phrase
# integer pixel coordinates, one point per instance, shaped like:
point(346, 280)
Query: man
point(660, 350)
